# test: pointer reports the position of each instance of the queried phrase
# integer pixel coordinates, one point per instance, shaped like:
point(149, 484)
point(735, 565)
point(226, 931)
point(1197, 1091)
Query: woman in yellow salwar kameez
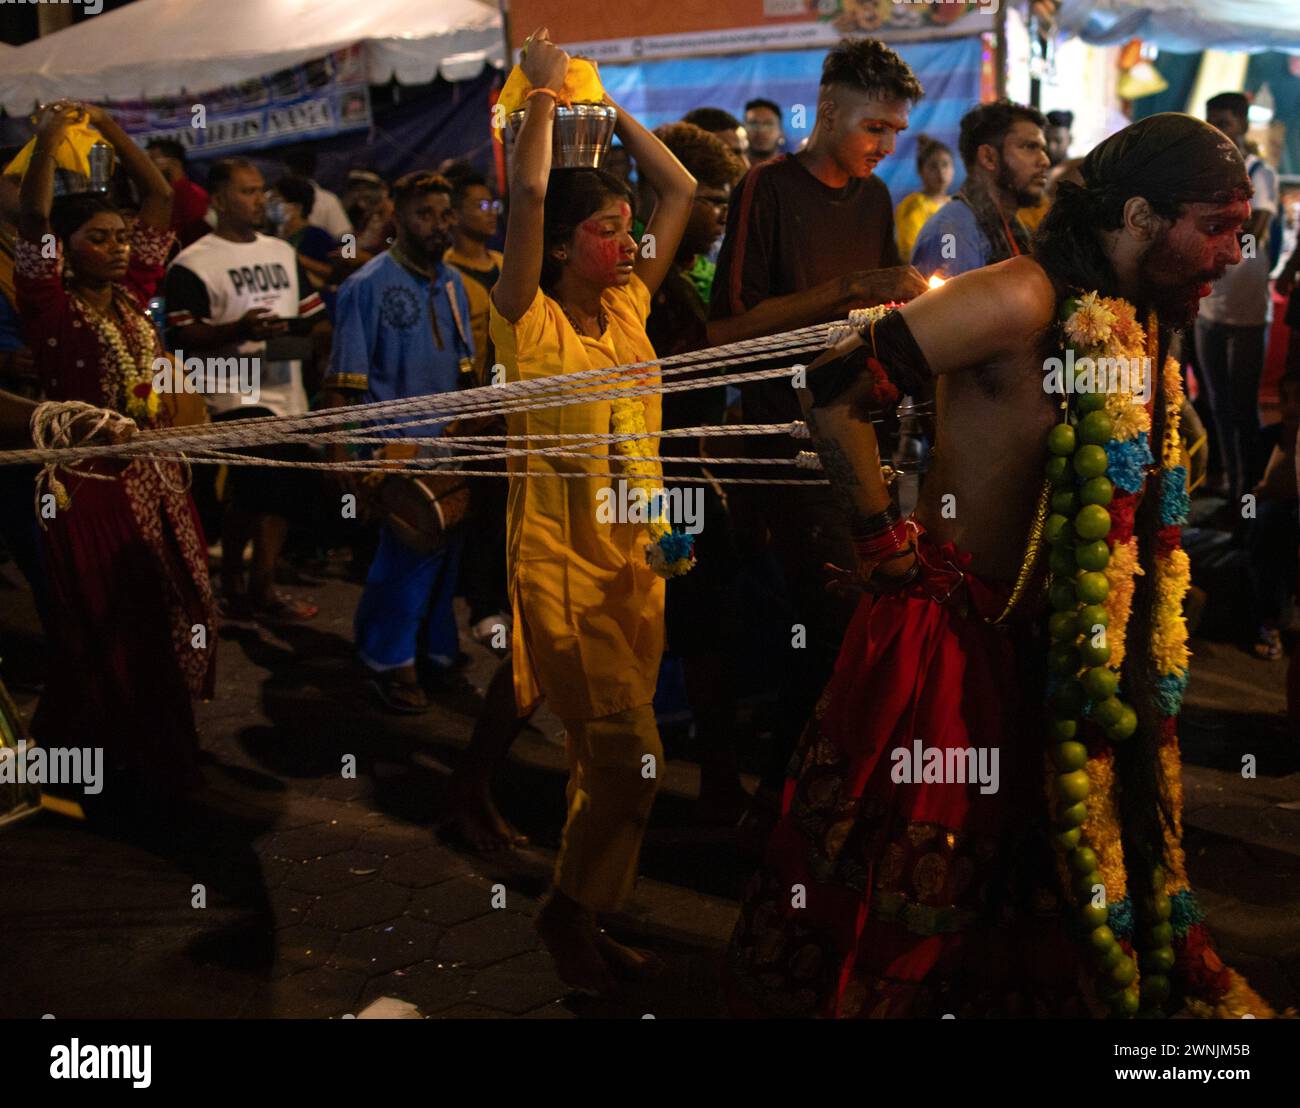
point(574, 293)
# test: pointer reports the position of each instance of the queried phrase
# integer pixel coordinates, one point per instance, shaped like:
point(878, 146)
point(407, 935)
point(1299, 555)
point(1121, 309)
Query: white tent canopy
point(166, 47)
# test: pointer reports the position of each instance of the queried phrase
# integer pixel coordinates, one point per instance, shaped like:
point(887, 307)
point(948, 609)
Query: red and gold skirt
point(912, 872)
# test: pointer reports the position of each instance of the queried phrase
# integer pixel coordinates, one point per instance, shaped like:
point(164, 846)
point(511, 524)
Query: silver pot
point(101, 166)
point(582, 134)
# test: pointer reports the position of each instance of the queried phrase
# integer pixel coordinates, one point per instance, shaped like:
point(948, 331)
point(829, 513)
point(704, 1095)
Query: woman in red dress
point(133, 631)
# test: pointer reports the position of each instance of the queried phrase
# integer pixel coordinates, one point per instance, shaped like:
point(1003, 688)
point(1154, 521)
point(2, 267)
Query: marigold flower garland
point(1100, 457)
point(671, 553)
point(128, 385)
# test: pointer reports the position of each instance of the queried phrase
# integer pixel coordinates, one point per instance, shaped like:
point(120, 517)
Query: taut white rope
point(213, 443)
point(553, 391)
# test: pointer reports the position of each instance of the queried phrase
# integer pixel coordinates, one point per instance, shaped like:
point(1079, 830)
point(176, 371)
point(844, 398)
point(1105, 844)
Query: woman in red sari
point(133, 631)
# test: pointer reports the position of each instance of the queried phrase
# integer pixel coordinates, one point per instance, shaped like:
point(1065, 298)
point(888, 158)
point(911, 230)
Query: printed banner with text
point(314, 100)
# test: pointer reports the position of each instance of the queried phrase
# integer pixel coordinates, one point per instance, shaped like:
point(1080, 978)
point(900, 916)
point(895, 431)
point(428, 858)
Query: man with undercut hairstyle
point(925, 894)
point(810, 235)
point(1005, 155)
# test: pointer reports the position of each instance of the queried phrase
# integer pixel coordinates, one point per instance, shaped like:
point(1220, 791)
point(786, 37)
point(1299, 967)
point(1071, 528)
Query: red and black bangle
point(889, 537)
point(879, 582)
point(866, 526)
point(879, 533)
point(881, 547)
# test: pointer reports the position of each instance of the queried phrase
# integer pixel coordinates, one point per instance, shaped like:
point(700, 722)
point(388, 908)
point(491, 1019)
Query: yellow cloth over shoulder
point(73, 152)
point(581, 86)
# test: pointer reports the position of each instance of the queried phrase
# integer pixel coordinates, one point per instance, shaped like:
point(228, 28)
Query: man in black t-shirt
point(809, 236)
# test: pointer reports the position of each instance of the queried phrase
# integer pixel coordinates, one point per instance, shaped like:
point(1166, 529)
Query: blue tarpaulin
point(1186, 25)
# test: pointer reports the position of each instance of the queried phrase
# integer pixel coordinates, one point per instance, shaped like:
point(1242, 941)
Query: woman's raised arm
point(545, 66)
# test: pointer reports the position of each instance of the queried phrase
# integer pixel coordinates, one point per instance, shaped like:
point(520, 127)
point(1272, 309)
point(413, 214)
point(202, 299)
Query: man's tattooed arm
point(850, 457)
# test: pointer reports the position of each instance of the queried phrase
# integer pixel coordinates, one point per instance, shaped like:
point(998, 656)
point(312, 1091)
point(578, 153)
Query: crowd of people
point(921, 897)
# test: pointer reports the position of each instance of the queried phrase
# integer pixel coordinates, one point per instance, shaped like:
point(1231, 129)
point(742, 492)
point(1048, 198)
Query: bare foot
point(476, 820)
point(278, 607)
point(629, 961)
point(569, 933)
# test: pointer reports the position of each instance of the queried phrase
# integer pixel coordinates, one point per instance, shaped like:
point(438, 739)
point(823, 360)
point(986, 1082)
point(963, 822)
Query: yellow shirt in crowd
point(1032, 217)
point(478, 287)
point(910, 217)
point(588, 609)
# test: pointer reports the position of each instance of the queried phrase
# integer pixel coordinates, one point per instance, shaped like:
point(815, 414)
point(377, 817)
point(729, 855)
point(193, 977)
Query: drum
point(421, 510)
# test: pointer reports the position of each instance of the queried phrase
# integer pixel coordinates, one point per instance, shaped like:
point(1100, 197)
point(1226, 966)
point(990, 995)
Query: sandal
point(279, 608)
point(1269, 644)
point(406, 697)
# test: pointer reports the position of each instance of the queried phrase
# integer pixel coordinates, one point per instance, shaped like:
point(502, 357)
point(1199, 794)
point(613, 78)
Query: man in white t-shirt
point(1233, 322)
point(238, 301)
point(327, 209)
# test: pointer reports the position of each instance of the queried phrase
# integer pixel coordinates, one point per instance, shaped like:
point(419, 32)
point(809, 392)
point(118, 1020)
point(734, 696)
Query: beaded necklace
point(602, 321)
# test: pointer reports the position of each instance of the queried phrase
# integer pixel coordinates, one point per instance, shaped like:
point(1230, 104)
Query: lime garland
point(671, 553)
point(1100, 455)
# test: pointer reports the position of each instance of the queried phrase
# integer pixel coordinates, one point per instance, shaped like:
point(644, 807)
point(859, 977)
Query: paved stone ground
point(341, 891)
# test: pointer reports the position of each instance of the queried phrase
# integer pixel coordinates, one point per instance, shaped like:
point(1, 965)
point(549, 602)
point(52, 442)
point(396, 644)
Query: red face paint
point(1195, 251)
point(598, 248)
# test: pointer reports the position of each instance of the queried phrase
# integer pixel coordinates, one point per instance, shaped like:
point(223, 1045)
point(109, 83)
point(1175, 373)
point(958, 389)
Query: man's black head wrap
point(1168, 158)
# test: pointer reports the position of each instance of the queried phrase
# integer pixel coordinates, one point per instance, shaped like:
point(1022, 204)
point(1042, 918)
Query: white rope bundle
point(357, 424)
point(56, 425)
